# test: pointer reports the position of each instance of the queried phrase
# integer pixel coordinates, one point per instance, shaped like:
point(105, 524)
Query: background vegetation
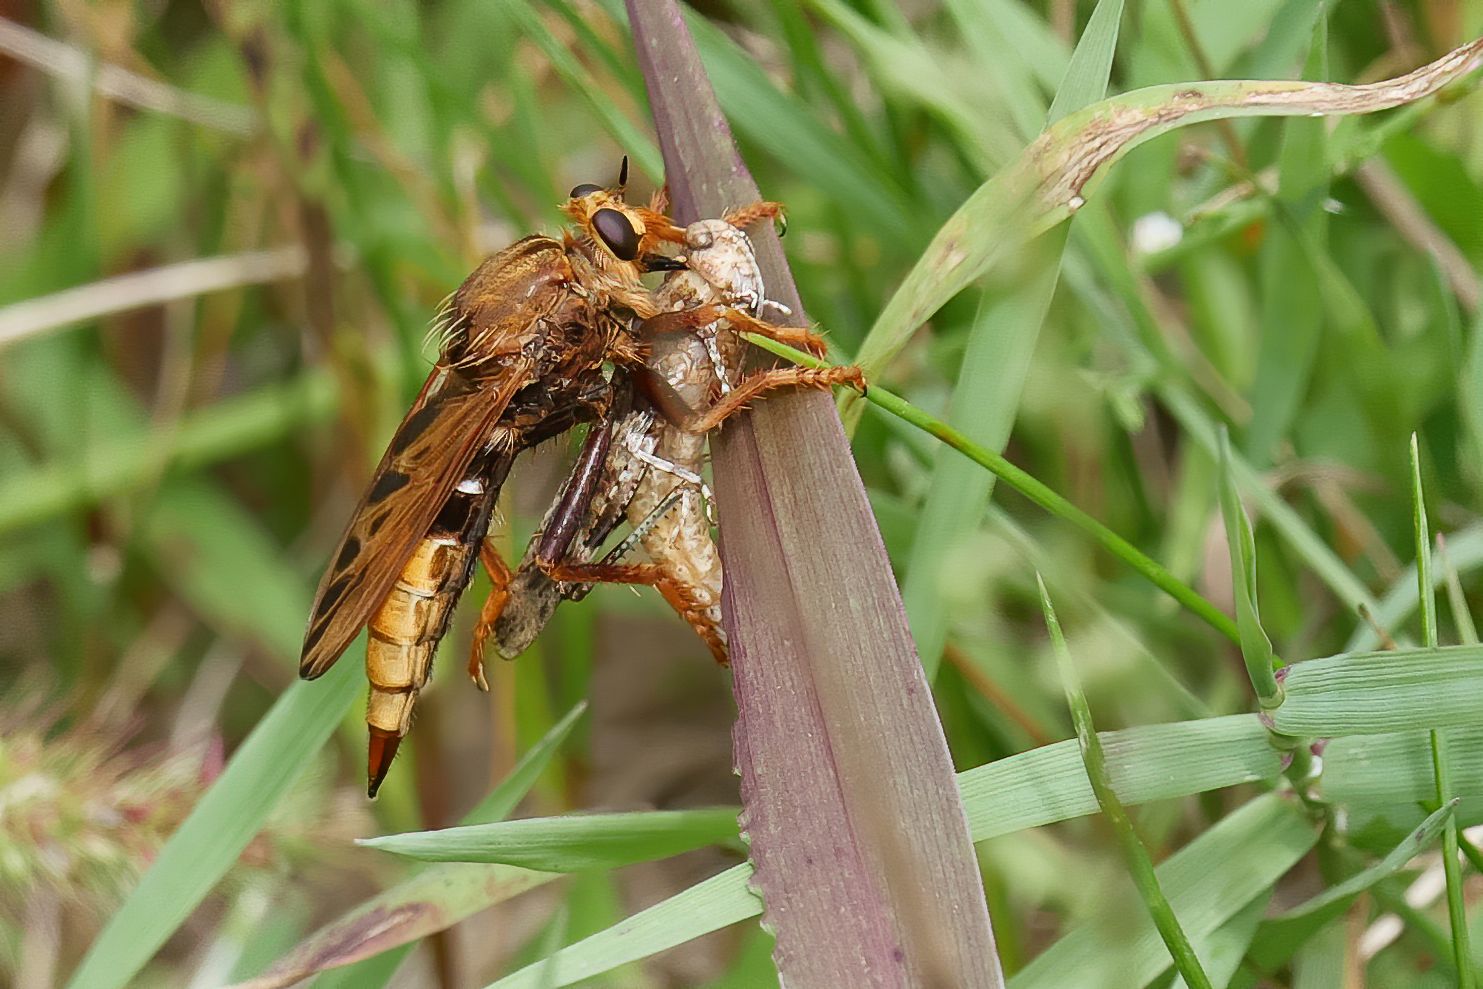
point(172, 475)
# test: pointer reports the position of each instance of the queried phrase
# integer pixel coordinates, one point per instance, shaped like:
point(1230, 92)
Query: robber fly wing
point(431, 450)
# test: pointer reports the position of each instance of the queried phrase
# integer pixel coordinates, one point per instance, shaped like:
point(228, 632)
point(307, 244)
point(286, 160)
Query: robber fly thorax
point(656, 453)
point(525, 346)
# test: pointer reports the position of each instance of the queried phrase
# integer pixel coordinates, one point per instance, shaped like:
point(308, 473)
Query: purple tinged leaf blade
point(857, 832)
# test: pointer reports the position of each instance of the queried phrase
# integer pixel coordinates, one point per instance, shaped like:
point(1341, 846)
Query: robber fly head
point(623, 236)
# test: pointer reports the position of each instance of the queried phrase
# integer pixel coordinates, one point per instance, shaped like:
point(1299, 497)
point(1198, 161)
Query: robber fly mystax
point(524, 342)
point(655, 453)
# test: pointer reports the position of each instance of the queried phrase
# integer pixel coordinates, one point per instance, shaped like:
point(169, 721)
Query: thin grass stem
point(1033, 489)
point(1140, 866)
point(1452, 868)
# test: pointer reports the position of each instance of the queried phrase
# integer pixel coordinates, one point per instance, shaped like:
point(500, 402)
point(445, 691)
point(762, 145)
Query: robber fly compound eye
point(585, 189)
point(617, 233)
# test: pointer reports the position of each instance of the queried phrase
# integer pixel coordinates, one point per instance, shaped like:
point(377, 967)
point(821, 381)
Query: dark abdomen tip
point(379, 754)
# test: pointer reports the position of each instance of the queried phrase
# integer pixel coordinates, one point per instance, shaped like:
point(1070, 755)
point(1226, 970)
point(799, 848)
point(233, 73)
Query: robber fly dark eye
point(616, 232)
point(585, 189)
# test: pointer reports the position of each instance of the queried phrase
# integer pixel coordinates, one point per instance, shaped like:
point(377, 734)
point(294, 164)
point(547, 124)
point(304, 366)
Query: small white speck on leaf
point(1154, 232)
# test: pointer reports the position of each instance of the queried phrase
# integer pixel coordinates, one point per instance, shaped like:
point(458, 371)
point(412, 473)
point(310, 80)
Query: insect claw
point(476, 656)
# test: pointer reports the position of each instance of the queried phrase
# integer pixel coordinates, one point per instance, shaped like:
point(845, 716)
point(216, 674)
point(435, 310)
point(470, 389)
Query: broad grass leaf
point(199, 853)
point(572, 843)
point(1058, 173)
point(836, 732)
point(1044, 785)
point(1001, 342)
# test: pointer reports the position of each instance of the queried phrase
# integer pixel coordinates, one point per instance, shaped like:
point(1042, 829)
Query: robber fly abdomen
point(413, 617)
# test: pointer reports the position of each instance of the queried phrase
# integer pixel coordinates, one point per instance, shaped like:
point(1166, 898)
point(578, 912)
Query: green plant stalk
point(1452, 868)
point(1256, 647)
point(1474, 856)
point(1391, 897)
point(1467, 632)
point(1140, 866)
point(1031, 488)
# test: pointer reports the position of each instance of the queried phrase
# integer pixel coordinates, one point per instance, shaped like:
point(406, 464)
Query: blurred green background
point(180, 443)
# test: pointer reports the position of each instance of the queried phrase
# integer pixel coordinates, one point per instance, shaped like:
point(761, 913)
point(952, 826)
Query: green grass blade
point(1277, 513)
point(906, 68)
point(1033, 489)
point(1091, 62)
point(1465, 553)
point(1393, 769)
point(709, 905)
point(1425, 589)
point(1135, 855)
point(223, 563)
point(1292, 308)
point(573, 843)
point(1441, 764)
point(503, 799)
point(1207, 882)
point(375, 937)
point(1042, 786)
point(1055, 176)
point(1281, 936)
point(199, 853)
point(991, 377)
point(1224, 950)
point(1369, 693)
point(630, 137)
point(1256, 647)
point(1462, 616)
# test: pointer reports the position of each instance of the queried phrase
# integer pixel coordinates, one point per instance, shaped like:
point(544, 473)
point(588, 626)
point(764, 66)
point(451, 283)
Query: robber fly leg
point(697, 615)
point(659, 202)
point(744, 216)
point(676, 593)
point(499, 593)
point(800, 337)
point(771, 380)
point(603, 573)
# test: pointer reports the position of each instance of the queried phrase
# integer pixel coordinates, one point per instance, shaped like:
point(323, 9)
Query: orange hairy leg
point(773, 379)
point(745, 216)
point(679, 596)
point(499, 593)
point(686, 320)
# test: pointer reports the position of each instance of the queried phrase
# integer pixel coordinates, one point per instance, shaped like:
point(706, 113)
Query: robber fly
point(524, 343)
point(655, 453)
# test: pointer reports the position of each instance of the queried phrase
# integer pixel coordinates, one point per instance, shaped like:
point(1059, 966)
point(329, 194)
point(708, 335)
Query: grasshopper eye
point(585, 189)
point(616, 232)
